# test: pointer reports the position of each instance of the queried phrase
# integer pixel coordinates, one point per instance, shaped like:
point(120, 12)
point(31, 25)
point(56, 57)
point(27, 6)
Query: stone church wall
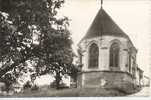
point(107, 79)
point(104, 44)
point(105, 76)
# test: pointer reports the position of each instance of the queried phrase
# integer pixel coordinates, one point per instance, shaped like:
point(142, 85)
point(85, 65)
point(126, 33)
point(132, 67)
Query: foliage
point(35, 88)
point(27, 85)
point(62, 85)
point(8, 79)
point(33, 31)
point(74, 69)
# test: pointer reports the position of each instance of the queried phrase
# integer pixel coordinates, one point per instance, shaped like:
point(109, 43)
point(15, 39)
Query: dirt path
point(144, 92)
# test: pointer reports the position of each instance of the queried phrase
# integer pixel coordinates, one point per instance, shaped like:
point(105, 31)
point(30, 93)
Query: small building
point(107, 56)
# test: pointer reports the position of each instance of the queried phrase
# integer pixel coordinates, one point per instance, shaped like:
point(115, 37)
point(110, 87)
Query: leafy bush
point(3, 88)
point(53, 84)
point(35, 88)
point(61, 85)
point(27, 85)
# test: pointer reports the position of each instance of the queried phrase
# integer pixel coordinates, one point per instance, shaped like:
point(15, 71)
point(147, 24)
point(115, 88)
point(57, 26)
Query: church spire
point(101, 3)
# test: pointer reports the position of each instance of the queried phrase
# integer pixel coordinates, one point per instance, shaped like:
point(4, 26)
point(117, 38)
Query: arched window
point(93, 56)
point(114, 55)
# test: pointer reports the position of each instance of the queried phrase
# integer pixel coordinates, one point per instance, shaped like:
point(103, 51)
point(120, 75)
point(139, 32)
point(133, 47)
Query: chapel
point(108, 56)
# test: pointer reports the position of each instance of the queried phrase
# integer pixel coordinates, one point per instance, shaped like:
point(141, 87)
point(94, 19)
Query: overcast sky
point(133, 16)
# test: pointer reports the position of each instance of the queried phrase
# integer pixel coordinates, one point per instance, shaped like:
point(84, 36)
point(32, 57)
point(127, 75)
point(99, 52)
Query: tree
point(35, 33)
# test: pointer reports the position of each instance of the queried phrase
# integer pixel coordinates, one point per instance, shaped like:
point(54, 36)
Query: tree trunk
point(58, 79)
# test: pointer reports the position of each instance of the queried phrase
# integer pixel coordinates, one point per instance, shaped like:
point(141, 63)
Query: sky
point(133, 16)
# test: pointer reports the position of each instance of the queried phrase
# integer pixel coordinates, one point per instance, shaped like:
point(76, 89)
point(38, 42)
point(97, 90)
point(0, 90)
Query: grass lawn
point(71, 92)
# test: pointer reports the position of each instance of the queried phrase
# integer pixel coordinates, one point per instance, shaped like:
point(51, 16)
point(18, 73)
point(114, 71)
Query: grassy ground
point(72, 92)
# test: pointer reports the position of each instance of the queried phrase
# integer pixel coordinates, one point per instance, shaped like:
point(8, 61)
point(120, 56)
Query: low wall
point(122, 81)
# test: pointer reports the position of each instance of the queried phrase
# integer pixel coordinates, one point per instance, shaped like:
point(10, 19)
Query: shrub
point(27, 85)
point(62, 85)
point(35, 88)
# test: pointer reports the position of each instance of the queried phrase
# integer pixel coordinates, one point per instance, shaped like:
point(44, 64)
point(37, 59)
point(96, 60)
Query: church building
point(107, 56)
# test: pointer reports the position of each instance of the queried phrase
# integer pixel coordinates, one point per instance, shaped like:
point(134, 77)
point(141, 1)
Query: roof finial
point(101, 3)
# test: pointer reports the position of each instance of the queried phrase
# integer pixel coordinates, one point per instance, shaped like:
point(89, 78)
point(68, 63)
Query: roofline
point(112, 35)
point(132, 44)
point(125, 35)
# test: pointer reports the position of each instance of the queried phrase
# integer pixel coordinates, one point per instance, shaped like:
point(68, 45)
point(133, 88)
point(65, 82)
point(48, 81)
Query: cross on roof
point(101, 3)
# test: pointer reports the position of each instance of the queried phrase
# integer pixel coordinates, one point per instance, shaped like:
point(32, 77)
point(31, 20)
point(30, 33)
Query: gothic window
point(114, 55)
point(93, 56)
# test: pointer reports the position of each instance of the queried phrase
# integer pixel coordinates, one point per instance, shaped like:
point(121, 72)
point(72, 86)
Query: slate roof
point(104, 25)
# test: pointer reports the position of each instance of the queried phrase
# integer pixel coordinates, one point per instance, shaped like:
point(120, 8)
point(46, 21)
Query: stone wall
point(122, 81)
point(105, 76)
